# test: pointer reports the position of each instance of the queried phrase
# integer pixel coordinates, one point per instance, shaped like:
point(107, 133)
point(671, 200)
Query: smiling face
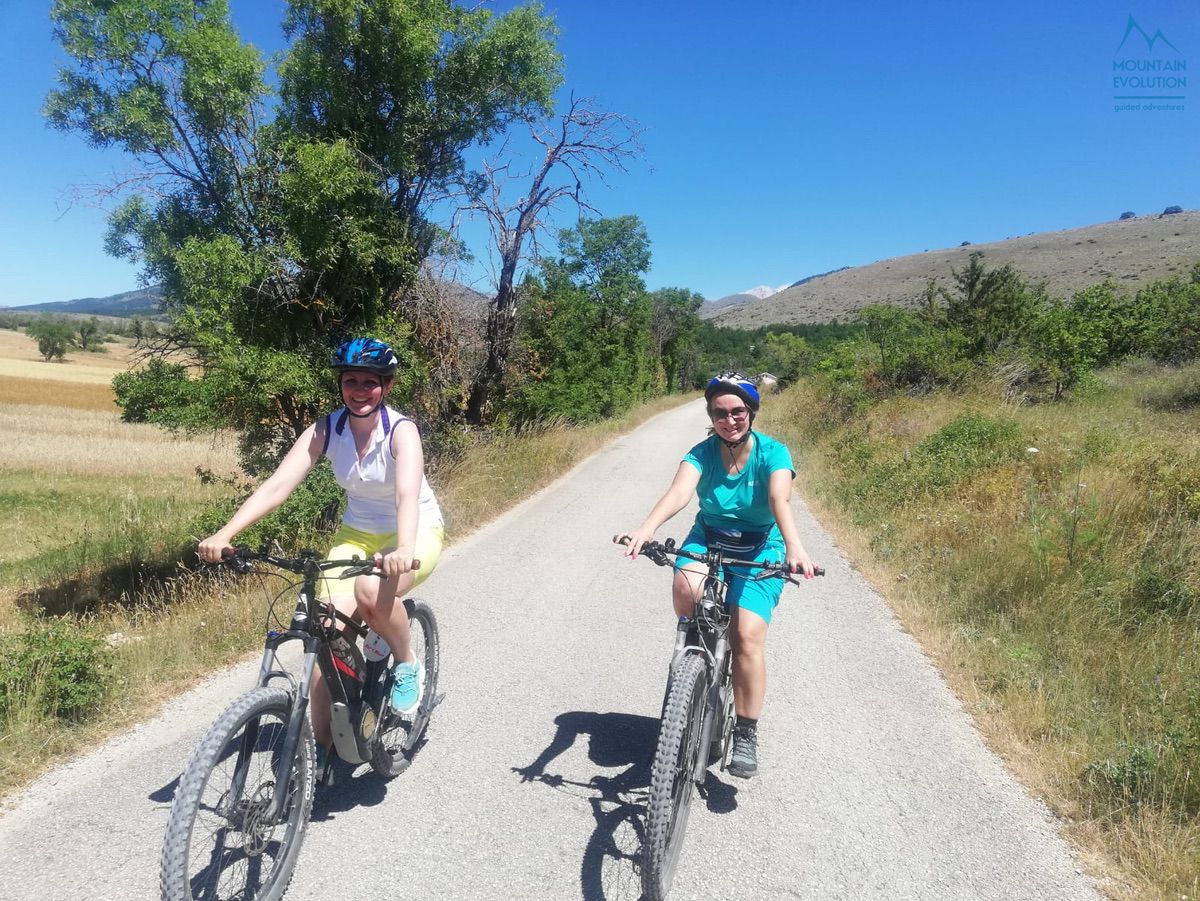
point(730, 416)
point(363, 392)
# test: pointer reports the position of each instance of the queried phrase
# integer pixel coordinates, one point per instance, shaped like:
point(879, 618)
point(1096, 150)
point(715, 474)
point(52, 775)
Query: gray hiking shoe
point(743, 762)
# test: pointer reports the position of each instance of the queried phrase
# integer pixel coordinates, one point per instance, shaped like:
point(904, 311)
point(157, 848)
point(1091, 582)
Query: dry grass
point(48, 439)
point(1042, 590)
point(81, 382)
point(68, 395)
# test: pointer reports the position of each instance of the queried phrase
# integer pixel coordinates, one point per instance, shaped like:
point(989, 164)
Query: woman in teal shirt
point(744, 483)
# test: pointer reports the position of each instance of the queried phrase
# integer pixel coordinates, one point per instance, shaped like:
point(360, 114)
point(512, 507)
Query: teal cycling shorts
point(758, 597)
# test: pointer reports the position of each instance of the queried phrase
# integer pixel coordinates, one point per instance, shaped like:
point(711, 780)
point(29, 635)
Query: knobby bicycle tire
point(671, 775)
point(213, 852)
point(393, 746)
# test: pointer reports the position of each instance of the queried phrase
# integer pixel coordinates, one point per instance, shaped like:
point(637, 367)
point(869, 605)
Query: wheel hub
point(257, 827)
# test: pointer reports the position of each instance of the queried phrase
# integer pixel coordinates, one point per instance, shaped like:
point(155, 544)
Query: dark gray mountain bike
point(697, 719)
point(245, 796)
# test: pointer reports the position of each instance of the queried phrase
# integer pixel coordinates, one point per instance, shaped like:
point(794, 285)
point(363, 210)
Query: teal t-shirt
point(738, 501)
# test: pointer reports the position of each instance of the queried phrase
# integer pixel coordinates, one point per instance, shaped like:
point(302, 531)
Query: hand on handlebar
point(396, 563)
point(211, 549)
point(799, 562)
point(633, 541)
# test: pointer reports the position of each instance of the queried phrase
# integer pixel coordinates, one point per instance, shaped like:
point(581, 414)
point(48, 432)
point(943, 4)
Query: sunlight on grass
point(1044, 556)
point(120, 503)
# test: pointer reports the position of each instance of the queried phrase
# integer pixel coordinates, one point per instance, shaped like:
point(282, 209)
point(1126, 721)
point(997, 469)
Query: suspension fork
point(291, 739)
point(714, 713)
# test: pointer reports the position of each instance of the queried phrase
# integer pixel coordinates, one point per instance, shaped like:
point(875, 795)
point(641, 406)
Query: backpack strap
point(328, 427)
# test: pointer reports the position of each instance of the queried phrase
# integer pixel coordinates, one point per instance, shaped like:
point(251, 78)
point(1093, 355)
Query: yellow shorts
point(350, 542)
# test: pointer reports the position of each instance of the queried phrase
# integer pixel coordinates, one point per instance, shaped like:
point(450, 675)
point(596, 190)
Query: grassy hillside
point(1133, 253)
point(1044, 555)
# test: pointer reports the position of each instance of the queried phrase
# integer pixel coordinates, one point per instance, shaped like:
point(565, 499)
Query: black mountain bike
point(697, 719)
point(244, 799)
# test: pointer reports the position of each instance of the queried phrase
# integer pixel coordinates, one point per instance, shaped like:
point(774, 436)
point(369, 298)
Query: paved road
point(531, 785)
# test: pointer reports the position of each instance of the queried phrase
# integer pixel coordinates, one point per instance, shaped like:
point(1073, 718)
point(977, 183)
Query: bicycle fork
point(688, 642)
point(291, 738)
point(714, 714)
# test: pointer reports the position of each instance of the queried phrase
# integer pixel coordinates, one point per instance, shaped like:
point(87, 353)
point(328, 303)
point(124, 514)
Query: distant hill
point(712, 308)
point(1132, 252)
point(142, 302)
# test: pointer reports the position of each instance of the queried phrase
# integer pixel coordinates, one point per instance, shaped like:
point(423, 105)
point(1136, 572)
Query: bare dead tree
point(583, 144)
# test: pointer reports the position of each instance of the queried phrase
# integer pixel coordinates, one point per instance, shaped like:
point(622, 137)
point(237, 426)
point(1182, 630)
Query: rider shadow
point(611, 864)
point(348, 791)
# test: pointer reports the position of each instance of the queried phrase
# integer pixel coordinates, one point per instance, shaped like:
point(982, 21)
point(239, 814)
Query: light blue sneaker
point(408, 687)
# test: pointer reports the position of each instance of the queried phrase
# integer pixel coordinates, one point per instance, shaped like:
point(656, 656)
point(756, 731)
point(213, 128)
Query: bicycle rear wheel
point(219, 842)
point(671, 775)
point(398, 736)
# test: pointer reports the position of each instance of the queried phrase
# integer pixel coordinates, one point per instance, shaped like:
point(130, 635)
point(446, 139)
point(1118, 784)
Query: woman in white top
point(391, 513)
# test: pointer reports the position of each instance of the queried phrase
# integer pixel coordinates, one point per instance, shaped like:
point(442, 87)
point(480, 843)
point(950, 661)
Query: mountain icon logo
point(1131, 26)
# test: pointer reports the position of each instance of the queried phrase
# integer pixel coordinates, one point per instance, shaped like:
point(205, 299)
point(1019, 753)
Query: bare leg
point(748, 634)
point(688, 584)
point(378, 604)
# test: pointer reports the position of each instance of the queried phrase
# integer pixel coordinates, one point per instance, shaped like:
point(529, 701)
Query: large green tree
point(279, 223)
point(673, 326)
point(586, 345)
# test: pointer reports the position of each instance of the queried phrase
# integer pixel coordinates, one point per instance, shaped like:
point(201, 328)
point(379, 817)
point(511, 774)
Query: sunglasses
point(737, 414)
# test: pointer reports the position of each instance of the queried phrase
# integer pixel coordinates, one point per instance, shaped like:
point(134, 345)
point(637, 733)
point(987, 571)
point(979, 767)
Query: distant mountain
point(711, 308)
point(1130, 252)
point(142, 302)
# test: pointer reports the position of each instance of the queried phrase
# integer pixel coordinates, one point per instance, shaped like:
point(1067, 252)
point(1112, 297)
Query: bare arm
point(271, 493)
point(683, 486)
point(410, 469)
point(779, 494)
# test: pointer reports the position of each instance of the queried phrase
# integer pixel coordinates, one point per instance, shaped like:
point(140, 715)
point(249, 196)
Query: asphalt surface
point(532, 784)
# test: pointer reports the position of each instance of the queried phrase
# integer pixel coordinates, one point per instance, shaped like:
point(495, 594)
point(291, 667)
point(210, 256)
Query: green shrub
point(57, 667)
point(311, 513)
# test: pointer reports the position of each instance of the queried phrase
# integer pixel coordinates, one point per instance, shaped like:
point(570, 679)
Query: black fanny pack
point(735, 542)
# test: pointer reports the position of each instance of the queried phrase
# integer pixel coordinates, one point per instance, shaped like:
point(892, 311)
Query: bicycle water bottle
point(374, 647)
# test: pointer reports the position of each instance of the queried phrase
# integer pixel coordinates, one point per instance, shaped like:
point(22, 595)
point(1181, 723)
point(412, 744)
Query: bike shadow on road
point(611, 864)
point(348, 791)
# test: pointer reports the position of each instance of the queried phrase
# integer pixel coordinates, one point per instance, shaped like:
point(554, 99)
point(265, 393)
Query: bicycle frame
point(345, 678)
point(707, 633)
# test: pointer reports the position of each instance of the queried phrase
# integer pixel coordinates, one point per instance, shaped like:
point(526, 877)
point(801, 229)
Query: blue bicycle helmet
point(733, 383)
point(365, 353)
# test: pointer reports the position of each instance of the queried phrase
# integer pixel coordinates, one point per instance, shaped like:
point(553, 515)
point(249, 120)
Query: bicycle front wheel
point(398, 736)
point(221, 842)
point(671, 775)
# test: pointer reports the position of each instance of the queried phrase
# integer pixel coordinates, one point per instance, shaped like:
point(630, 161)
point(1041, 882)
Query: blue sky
point(782, 139)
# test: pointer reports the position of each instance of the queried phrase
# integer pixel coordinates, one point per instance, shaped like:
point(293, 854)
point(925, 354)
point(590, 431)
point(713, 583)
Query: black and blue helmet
point(733, 383)
point(365, 353)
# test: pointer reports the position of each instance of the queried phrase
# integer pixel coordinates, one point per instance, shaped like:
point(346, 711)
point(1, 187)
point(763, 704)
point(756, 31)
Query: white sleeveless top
point(370, 483)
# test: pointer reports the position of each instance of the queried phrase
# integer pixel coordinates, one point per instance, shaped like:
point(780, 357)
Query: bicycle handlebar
point(239, 559)
point(657, 551)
